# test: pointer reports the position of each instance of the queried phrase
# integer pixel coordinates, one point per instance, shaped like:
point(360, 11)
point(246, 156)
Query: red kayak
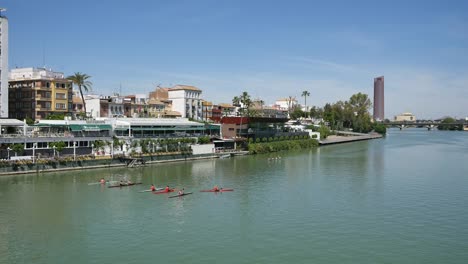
point(164, 191)
point(220, 190)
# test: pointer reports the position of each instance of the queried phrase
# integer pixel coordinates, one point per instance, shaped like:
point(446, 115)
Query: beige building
point(408, 117)
point(38, 92)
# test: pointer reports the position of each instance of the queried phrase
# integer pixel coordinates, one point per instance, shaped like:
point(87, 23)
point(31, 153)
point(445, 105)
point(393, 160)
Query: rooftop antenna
point(120, 91)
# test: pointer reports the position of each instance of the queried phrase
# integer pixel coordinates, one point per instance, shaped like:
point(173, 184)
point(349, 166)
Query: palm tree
point(305, 94)
point(81, 80)
point(246, 102)
point(236, 101)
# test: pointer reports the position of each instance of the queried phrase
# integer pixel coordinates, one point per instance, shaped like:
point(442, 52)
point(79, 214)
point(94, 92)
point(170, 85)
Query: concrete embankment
point(56, 166)
point(348, 138)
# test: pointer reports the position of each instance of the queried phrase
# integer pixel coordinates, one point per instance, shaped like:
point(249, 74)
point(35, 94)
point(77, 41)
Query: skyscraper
point(3, 65)
point(379, 99)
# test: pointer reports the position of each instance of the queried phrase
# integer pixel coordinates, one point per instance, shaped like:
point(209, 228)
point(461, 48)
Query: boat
point(225, 156)
point(179, 195)
point(220, 190)
point(164, 191)
point(157, 189)
point(125, 185)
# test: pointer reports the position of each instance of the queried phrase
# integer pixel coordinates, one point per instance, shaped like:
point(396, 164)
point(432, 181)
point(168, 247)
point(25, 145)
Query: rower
point(167, 188)
point(215, 188)
point(181, 192)
point(153, 188)
point(102, 181)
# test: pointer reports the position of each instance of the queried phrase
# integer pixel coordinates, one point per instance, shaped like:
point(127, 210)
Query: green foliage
point(324, 132)
point(59, 146)
point(380, 128)
point(349, 114)
point(204, 140)
point(297, 113)
point(99, 144)
point(29, 121)
point(82, 81)
point(266, 147)
point(18, 148)
point(264, 139)
point(444, 124)
point(55, 116)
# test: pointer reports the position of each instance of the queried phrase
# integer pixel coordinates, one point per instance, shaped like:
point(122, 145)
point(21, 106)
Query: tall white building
point(3, 65)
point(187, 101)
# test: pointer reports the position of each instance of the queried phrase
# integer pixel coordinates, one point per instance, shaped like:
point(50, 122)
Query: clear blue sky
point(272, 49)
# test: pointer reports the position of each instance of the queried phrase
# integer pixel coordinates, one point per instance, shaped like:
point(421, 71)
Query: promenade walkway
point(343, 139)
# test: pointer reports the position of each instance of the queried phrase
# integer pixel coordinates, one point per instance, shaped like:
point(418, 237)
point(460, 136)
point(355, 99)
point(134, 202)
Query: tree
point(59, 146)
point(82, 81)
point(55, 116)
point(18, 148)
point(444, 124)
point(305, 94)
point(236, 101)
point(246, 103)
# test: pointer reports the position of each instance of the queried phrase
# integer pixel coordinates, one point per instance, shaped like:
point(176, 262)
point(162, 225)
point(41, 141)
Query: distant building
point(286, 104)
point(37, 92)
point(3, 65)
point(379, 99)
point(187, 101)
point(408, 117)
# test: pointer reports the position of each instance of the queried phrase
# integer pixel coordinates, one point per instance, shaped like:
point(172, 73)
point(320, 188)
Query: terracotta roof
point(226, 105)
point(184, 87)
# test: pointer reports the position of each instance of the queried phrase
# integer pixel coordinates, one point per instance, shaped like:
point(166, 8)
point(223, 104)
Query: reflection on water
point(401, 199)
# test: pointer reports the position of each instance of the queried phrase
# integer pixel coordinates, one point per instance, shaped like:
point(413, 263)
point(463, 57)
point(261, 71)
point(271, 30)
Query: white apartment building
point(187, 101)
point(286, 104)
point(3, 65)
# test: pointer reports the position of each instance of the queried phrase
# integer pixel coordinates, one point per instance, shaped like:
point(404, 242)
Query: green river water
point(401, 199)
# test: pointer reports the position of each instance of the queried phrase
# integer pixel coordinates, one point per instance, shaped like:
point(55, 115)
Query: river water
point(401, 199)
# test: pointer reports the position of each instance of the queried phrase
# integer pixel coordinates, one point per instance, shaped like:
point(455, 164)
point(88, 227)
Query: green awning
point(90, 127)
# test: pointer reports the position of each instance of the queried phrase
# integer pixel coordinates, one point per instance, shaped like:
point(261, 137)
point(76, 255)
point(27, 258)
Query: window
point(60, 96)
point(48, 84)
point(59, 106)
point(47, 95)
point(47, 105)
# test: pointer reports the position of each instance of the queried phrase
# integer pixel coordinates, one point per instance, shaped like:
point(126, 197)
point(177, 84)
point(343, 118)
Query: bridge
point(427, 124)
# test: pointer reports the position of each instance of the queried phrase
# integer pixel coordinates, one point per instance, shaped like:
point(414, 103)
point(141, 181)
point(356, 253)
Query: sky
point(271, 49)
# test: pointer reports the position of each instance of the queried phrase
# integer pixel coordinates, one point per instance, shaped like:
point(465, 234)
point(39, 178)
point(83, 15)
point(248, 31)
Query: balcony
point(42, 98)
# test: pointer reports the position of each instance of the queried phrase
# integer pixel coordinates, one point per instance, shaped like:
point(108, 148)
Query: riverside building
point(3, 65)
point(38, 92)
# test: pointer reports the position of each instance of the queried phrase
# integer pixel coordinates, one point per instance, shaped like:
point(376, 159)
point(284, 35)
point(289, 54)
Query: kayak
point(179, 195)
point(124, 185)
point(164, 191)
point(220, 190)
point(157, 189)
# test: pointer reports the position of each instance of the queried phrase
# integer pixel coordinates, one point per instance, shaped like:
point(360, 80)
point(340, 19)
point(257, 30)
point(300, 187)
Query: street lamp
point(152, 143)
point(74, 150)
point(8, 149)
point(54, 147)
point(92, 149)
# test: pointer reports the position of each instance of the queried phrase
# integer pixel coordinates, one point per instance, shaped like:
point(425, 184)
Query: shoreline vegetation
point(259, 146)
point(275, 146)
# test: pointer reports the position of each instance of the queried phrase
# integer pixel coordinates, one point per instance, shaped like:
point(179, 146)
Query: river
point(401, 199)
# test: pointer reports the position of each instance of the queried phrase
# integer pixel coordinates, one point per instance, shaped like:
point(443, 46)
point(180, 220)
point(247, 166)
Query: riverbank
point(44, 166)
point(56, 166)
